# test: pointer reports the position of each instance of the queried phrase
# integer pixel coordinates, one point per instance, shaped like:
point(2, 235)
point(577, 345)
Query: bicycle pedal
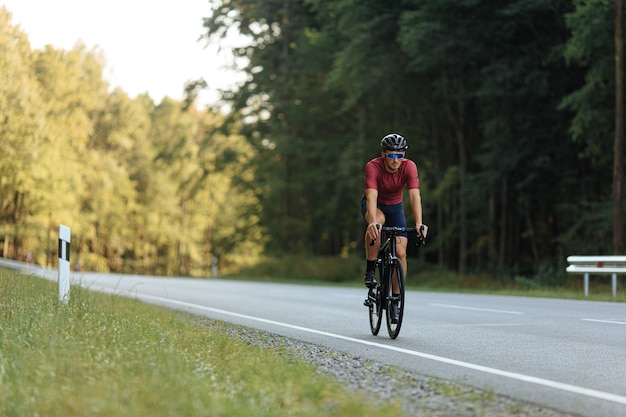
point(367, 303)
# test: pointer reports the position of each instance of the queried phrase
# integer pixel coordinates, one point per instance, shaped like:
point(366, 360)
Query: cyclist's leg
point(401, 245)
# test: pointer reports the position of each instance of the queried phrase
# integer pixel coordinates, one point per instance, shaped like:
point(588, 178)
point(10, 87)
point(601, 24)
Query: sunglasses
point(394, 155)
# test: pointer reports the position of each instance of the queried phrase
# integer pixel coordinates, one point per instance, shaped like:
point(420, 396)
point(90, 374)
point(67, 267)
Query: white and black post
point(64, 264)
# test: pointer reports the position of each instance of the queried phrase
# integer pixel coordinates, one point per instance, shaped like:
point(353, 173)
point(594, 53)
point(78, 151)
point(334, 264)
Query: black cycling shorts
point(394, 214)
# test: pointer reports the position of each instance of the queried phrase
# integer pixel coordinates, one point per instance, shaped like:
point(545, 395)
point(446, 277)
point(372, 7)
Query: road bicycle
point(381, 299)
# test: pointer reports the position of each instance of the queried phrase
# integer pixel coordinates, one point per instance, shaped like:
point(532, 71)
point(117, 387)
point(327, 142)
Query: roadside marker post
point(64, 264)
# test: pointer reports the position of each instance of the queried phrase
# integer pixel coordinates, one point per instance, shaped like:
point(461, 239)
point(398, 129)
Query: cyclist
point(385, 179)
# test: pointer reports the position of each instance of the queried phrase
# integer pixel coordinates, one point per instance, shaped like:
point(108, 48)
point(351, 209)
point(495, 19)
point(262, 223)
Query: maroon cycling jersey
point(390, 186)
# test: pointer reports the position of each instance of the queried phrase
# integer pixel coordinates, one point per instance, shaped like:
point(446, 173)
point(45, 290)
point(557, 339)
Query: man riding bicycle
point(385, 179)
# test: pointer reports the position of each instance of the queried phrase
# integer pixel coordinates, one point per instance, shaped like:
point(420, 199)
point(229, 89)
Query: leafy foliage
point(145, 188)
point(497, 100)
point(507, 108)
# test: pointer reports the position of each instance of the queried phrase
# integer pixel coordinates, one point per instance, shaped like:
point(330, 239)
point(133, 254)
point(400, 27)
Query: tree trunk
point(458, 122)
point(618, 172)
point(504, 187)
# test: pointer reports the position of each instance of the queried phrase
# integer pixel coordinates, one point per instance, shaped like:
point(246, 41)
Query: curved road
point(568, 355)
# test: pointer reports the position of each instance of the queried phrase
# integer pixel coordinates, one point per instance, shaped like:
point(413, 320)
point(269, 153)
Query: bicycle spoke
point(395, 303)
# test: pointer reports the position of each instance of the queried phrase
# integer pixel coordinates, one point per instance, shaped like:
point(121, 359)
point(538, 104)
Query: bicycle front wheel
point(395, 303)
point(375, 307)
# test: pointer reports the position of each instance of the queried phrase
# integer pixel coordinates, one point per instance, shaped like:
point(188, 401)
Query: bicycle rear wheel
point(393, 326)
point(375, 304)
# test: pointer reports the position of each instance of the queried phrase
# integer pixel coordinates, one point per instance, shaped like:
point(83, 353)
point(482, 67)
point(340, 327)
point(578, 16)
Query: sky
point(149, 45)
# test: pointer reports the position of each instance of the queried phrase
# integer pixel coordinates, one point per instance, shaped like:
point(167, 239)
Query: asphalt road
point(568, 355)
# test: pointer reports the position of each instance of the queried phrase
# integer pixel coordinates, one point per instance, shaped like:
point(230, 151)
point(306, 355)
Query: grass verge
point(348, 271)
point(104, 355)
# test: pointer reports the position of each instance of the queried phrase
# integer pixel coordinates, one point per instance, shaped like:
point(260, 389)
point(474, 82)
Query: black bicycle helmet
point(393, 142)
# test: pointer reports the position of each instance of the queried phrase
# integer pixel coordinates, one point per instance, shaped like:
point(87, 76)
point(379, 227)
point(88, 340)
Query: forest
point(512, 110)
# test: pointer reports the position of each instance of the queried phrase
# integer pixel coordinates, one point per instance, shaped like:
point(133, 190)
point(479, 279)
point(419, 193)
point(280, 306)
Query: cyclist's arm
point(415, 199)
point(371, 198)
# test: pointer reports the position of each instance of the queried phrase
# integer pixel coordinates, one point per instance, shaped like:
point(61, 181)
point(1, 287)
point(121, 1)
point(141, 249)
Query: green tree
point(591, 51)
point(293, 122)
point(495, 108)
point(489, 95)
point(173, 134)
point(21, 135)
point(618, 153)
point(377, 93)
point(447, 46)
point(116, 186)
point(144, 188)
point(228, 206)
point(72, 90)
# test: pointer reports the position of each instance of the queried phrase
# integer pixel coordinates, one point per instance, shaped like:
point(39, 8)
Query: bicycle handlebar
point(395, 230)
point(399, 229)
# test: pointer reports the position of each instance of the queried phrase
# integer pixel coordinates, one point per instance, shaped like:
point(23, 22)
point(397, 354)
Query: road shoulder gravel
point(421, 395)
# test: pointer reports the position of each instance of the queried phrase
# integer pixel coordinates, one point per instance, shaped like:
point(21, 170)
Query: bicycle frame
point(387, 254)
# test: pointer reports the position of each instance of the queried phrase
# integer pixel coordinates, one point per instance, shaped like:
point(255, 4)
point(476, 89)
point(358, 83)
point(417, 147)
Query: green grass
point(348, 271)
point(104, 355)
point(570, 287)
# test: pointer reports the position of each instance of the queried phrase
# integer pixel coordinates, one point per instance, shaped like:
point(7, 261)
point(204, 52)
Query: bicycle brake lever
point(421, 239)
point(374, 240)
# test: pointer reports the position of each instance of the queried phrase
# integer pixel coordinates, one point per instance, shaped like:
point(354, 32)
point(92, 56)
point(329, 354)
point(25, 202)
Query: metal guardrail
point(597, 265)
point(29, 269)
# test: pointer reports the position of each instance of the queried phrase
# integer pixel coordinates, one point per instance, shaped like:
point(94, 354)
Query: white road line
point(513, 375)
point(605, 321)
point(489, 310)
